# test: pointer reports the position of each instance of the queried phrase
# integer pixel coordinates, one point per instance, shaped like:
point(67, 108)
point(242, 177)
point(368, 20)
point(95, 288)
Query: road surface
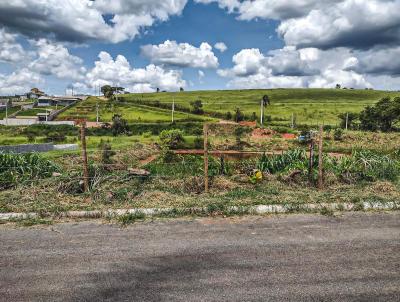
point(354, 257)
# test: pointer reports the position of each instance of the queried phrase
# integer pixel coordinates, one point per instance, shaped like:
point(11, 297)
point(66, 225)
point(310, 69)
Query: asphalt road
point(355, 257)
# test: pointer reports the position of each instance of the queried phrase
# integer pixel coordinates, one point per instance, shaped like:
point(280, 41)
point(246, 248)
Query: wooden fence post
point(205, 133)
point(311, 161)
point(320, 159)
point(84, 158)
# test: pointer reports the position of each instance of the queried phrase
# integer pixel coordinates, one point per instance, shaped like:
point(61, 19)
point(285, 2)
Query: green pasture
point(131, 112)
point(311, 106)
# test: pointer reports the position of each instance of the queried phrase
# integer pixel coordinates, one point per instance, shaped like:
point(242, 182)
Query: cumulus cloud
point(350, 23)
point(292, 68)
point(55, 59)
point(181, 55)
point(82, 20)
point(19, 81)
point(221, 46)
point(384, 61)
point(119, 72)
point(10, 50)
point(325, 23)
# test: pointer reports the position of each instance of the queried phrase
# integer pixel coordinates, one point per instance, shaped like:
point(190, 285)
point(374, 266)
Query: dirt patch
point(263, 133)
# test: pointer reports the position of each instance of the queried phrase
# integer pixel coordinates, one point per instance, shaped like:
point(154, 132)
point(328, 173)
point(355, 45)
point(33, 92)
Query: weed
point(131, 217)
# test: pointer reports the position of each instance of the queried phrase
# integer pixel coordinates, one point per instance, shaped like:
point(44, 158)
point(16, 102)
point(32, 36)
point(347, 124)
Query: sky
point(143, 45)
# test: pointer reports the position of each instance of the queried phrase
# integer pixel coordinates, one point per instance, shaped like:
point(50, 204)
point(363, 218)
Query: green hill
point(311, 106)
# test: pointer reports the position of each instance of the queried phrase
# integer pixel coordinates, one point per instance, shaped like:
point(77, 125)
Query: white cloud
point(18, 82)
point(10, 50)
point(384, 61)
point(55, 59)
point(289, 68)
point(119, 72)
point(182, 54)
point(349, 23)
point(325, 23)
point(82, 20)
point(201, 76)
point(221, 46)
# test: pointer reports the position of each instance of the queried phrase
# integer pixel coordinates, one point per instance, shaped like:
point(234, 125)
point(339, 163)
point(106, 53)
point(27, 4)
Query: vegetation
point(311, 106)
point(17, 168)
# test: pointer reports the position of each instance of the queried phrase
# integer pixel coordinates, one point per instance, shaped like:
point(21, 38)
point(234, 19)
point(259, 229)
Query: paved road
point(355, 257)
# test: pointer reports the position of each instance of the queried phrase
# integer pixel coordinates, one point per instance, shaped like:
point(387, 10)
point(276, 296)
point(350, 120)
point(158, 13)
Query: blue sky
point(168, 44)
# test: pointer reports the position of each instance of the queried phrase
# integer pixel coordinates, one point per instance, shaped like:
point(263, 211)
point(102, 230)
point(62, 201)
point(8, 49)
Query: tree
point(158, 90)
point(107, 91)
point(383, 116)
point(181, 89)
point(351, 120)
point(228, 115)
point(119, 125)
point(197, 107)
point(238, 116)
point(266, 100)
point(338, 86)
point(239, 132)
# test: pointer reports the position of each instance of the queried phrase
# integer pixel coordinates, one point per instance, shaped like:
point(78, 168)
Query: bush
point(171, 139)
point(119, 126)
point(338, 134)
point(106, 152)
point(55, 137)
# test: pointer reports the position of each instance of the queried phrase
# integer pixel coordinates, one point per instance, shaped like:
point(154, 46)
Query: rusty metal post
point(205, 133)
point(84, 158)
point(320, 159)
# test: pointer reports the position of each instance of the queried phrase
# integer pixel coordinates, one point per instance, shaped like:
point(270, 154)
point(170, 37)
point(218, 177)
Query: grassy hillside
point(130, 111)
point(310, 106)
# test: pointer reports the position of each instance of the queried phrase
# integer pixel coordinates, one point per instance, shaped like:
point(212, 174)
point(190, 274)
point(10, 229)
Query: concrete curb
point(259, 209)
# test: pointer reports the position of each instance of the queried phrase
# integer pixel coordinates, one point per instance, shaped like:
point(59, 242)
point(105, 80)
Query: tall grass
point(17, 168)
point(361, 165)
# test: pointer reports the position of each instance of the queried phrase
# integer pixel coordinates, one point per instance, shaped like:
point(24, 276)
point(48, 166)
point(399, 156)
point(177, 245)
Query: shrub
point(106, 152)
point(55, 137)
point(171, 139)
point(119, 126)
point(338, 134)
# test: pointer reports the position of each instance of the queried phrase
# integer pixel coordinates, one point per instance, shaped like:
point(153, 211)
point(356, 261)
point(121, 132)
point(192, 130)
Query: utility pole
point(320, 159)
point(173, 110)
point(262, 113)
point(205, 133)
point(97, 112)
point(84, 157)
point(292, 120)
point(347, 120)
point(7, 113)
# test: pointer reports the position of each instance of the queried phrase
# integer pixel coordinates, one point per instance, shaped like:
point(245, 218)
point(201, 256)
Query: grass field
point(10, 111)
point(311, 106)
point(129, 111)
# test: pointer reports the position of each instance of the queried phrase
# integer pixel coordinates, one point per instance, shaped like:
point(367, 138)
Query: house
point(45, 101)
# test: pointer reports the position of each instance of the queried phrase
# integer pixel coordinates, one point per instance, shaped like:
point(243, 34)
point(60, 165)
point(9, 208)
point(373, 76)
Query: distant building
point(45, 101)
